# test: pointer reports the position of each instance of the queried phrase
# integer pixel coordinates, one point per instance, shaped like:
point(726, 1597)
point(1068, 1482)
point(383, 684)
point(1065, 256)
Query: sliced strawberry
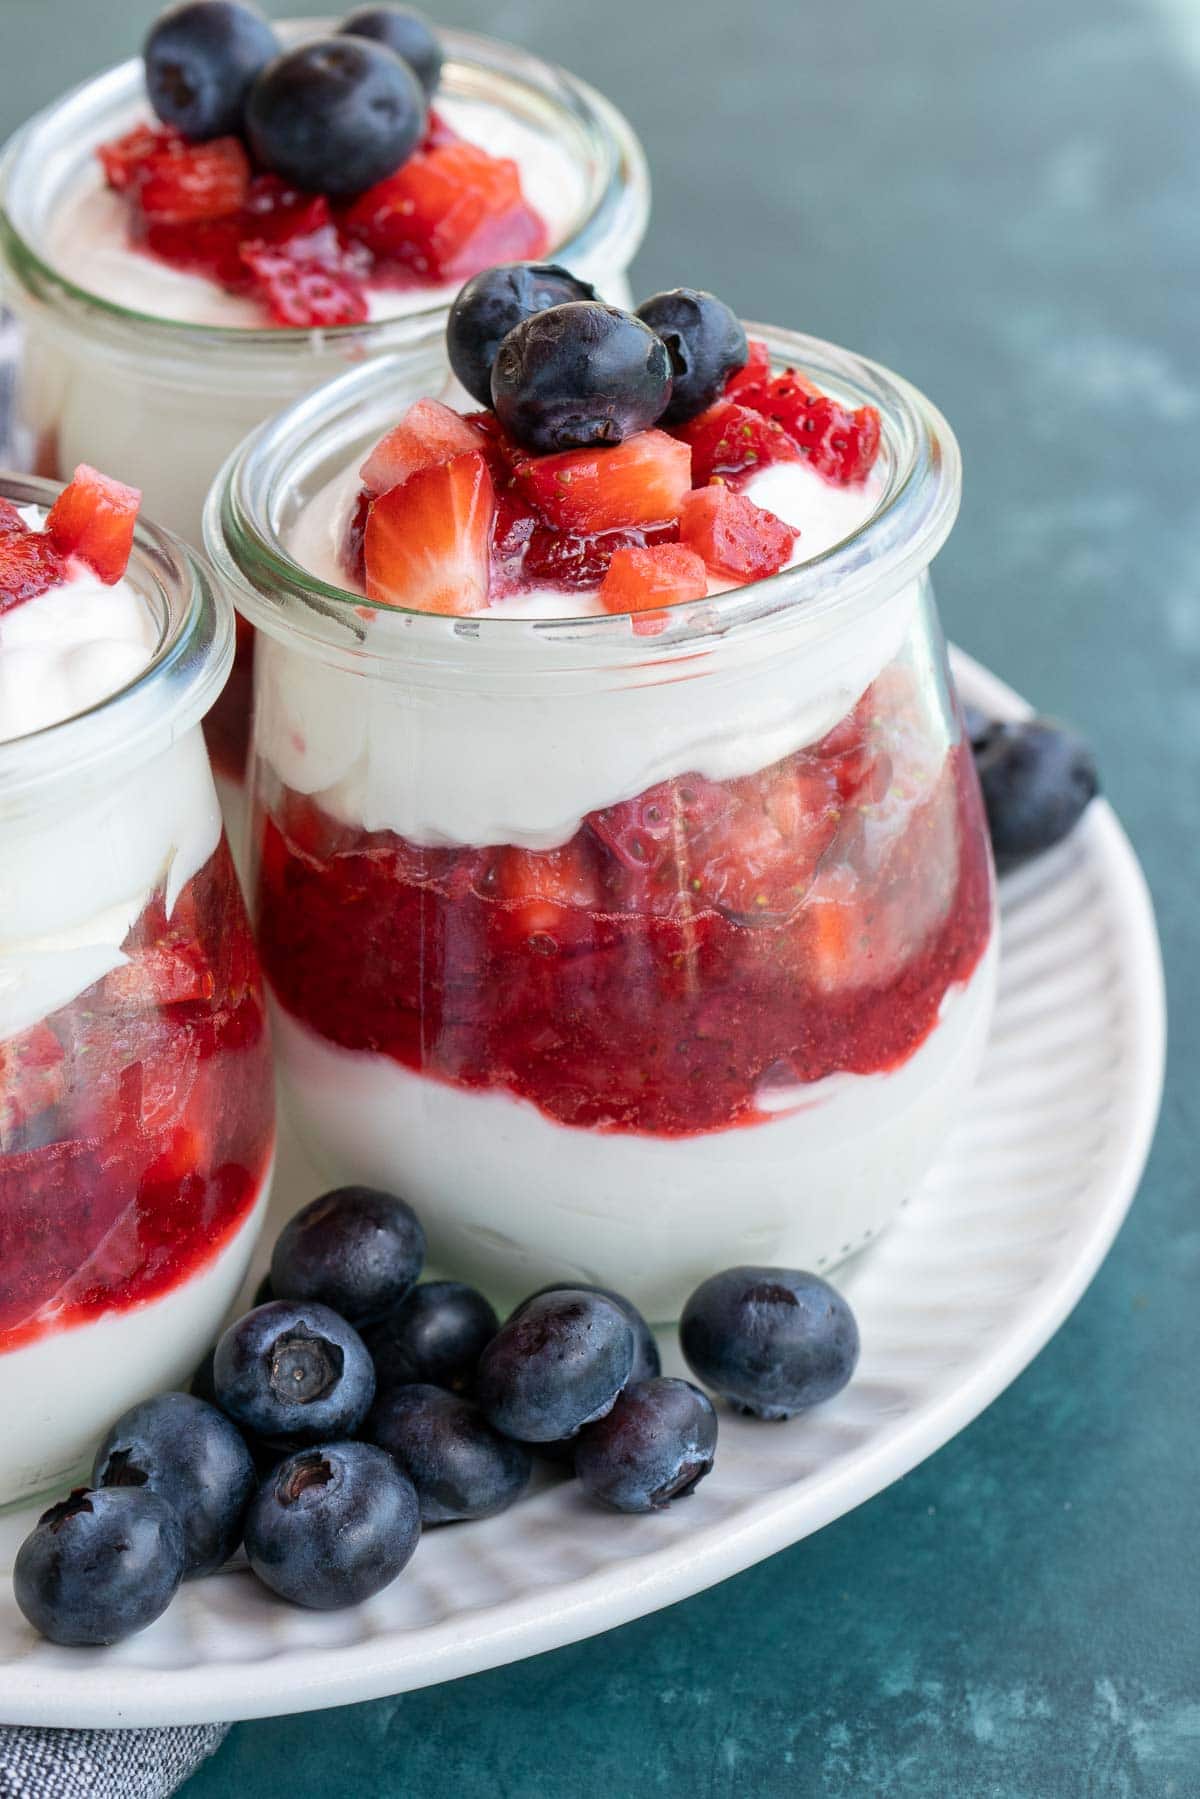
point(32, 1078)
point(730, 440)
point(737, 540)
point(428, 433)
point(750, 380)
point(353, 548)
point(29, 564)
point(93, 519)
point(428, 542)
point(665, 574)
point(303, 290)
point(198, 181)
point(840, 444)
point(450, 211)
point(124, 160)
point(640, 482)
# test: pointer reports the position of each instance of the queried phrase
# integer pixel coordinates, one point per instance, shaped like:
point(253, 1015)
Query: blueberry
point(556, 1365)
point(655, 1445)
point(193, 1457)
point(201, 59)
point(580, 374)
point(407, 32)
point(100, 1565)
point(356, 1250)
point(492, 304)
point(460, 1466)
point(335, 115)
point(1038, 779)
point(332, 1526)
point(772, 1341)
point(647, 1363)
point(705, 342)
point(294, 1373)
point(437, 1334)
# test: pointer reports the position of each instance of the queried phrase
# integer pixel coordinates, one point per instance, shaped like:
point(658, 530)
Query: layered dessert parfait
point(194, 239)
point(136, 1103)
point(621, 877)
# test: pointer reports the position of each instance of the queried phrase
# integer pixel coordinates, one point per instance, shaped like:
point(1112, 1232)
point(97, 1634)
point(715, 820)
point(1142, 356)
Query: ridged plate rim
point(199, 1662)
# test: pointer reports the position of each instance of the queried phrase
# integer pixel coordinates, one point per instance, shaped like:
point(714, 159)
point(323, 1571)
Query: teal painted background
point(1003, 201)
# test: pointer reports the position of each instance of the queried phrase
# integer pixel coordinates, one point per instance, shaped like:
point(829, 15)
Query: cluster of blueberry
point(334, 115)
point(563, 371)
point(354, 1405)
point(1038, 778)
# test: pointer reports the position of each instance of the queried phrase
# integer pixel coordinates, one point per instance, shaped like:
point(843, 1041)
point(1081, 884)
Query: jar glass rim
point(309, 441)
point(609, 231)
point(187, 670)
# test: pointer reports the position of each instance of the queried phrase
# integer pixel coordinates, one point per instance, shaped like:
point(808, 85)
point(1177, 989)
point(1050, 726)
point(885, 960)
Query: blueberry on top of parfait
point(495, 302)
point(580, 374)
point(201, 59)
point(407, 32)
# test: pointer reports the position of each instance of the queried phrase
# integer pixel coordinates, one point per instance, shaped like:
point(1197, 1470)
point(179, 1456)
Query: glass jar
point(623, 957)
point(136, 1089)
point(161, 402)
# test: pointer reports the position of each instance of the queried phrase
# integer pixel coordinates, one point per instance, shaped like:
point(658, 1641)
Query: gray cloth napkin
point(88, 1764)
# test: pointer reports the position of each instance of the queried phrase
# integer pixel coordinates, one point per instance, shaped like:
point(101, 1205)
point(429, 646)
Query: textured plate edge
point(495, 1636)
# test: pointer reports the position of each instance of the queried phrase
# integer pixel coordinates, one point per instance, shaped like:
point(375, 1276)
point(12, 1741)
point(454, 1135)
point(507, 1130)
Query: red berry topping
point(93, 519)
point(579, 563)
point(540, 888)
point(664, 574)
point(447, 213)
point(641, 482)
point(10, 517)
point(29, 565)
point(428, 433)
point(840, 444)
point(428, 542)
point(304, 290)
point(737, 540)
point(274, 211)
point(32, 1078)
point(731, 440)
point(124, 160)
point(353, 549)
point(747, 383)
point(183, 182)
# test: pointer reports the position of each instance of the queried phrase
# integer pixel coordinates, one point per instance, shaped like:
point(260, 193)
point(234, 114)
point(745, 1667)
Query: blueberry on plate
point(356, 1250)
point(201, 59)
point(460, 1466)
point(557, 1365)
point(404, 30)
point(100, 1565)
point(494, 303)
point(437, 1334)
point(193, 1457)
point(332, 1525)
point(335, 115)
point(772, 1341)
point(656, 1445)
point(580, 374)
point(646, 1360)
point(294, 1373)
point(1038, 779)
point(706, 344)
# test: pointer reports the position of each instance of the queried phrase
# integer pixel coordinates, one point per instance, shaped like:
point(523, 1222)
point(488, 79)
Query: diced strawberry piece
point(29, 564)
point(93, 519)
point(840, 444)
point(124, 160)
point(640, 482)
point(428, 542)
point(167, 974)
point(447, 213)
point(10, 517)
point(665, 823)
point(737, 540)
point(578, 563)
point(211, 247)
point(32, 1078)
point(746, 383)
point(539, 887)
point(274, 211)
point(353, 550)
point(759, 860)
point(302, 290)
point(198, 181)
point(730, 440)
point(438, 132)
point(665, 574)
point(428, 433)
point(516, 525)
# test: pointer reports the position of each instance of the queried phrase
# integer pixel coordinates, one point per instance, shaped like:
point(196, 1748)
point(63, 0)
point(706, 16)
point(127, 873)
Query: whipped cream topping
point(89, 239)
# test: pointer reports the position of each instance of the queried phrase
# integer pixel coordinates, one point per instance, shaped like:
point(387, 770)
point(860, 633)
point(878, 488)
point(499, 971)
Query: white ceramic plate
point(981, 1269)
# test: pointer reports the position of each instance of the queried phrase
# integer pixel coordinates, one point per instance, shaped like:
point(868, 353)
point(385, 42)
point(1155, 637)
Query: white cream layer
point(511, 1199)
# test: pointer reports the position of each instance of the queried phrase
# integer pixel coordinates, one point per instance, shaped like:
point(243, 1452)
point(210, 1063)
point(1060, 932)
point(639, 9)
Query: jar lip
point(910, 521)
point(612, 228)
point(178, 685)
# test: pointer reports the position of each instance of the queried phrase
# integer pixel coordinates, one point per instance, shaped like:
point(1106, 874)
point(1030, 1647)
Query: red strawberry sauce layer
point(136, 1123)
point(681, 956)
point(449, 211)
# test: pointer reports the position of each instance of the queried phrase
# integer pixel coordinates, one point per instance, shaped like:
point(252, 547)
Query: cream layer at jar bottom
point(512, 1199)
